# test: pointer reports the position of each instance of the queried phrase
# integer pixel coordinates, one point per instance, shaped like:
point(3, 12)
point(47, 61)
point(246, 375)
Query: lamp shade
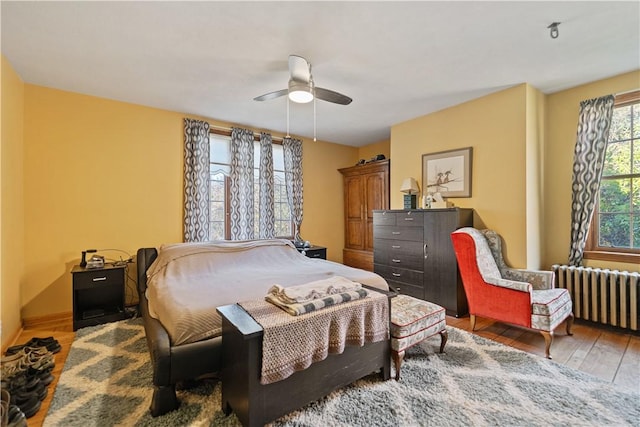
point(409, 186)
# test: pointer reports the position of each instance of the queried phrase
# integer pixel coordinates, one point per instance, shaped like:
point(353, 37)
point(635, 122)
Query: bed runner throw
point(293, 343)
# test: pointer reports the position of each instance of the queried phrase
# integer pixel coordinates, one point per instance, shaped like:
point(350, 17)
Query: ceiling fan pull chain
point(314, 118)
point(287, 117)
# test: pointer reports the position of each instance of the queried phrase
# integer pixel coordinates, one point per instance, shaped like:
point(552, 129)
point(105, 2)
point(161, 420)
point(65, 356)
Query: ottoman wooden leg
point(397, 361)
point(444, 336)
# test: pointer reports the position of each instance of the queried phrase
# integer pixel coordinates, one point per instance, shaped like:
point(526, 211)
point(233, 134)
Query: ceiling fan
point(301, 87)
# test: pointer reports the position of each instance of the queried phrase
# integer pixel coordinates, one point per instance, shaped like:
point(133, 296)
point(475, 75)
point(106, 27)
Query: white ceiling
point(397, 60)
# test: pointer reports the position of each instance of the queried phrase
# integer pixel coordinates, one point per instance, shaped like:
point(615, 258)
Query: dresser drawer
point(396, 274)
point(400, 219)
point(399, 253)
point(98, 278)
point(384, 218)
point(409, 219)
point(406, 289)
point(414, 234)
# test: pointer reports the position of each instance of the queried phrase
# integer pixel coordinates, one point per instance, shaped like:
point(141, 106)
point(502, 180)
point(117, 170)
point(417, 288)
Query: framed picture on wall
point(447, 172)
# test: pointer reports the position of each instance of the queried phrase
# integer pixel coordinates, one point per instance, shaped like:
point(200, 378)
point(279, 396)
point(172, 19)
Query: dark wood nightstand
point(98, 295)
point(314, 252)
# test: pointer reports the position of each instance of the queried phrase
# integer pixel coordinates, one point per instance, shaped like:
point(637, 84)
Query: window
point(615, 227)
point(220, 167)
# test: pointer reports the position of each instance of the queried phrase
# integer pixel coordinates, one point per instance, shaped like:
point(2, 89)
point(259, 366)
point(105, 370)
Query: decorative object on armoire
point(526, 298)
point(413, 253)
point(410, 187)
point(448, 172)
point(377, 158)
point(366, 188)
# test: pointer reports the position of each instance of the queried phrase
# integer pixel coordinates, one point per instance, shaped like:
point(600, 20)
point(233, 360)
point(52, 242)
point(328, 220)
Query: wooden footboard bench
point(256, 404)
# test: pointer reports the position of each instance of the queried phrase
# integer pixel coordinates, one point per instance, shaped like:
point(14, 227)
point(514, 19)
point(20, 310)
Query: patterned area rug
point(106, 381)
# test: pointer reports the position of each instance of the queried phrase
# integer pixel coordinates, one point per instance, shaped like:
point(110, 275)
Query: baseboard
point(42, 322)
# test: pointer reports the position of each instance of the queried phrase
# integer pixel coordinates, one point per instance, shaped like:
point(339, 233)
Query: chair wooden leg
point(444, 336)
point(472, 320)
point(569, 324)
point(548, 339)
point(397, 360)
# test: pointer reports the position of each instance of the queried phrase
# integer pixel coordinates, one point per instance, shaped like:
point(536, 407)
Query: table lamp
point(410, 187)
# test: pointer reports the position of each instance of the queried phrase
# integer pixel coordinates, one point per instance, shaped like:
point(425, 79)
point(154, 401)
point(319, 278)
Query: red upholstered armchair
point(520, 297)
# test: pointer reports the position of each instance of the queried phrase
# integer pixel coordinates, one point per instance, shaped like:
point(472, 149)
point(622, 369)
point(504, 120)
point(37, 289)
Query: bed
point(181, 286)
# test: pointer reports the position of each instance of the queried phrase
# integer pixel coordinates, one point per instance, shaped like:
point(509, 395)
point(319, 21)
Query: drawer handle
point(395, 260)
point(395, 247)
point(408, 219)
point(424, 251)
point(395, 232)
point(396, 274)
point(99, 279)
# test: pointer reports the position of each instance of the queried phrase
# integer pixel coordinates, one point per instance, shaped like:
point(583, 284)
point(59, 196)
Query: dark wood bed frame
point(253, 403)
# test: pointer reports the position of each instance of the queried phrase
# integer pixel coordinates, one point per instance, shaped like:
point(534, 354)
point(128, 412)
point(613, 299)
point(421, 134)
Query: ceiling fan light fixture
point(300, 92)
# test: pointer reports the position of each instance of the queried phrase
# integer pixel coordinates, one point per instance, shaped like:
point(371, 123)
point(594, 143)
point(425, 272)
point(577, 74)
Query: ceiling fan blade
point(331, 96)
point(299, 68)
point(271, 95)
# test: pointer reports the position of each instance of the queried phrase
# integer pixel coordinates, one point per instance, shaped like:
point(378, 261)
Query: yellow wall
point(534, 176)
point(323, 222)
point(495, 126)
point(561, 126)
point(107, 174)
point(12, 201)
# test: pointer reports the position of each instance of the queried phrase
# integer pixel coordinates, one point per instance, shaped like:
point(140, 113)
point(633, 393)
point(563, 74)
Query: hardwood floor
point(612, 355)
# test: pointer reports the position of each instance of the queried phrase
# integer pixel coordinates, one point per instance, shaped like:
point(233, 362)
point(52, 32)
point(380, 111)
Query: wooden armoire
point(366, 188)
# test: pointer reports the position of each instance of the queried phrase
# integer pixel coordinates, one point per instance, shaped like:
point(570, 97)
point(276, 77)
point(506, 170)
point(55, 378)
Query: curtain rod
point(221, 130)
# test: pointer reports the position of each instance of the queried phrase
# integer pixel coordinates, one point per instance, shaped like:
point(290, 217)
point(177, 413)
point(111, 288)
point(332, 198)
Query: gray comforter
point(188, 281)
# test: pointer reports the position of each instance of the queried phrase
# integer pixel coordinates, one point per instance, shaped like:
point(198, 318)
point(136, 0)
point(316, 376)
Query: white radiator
point(602, 295)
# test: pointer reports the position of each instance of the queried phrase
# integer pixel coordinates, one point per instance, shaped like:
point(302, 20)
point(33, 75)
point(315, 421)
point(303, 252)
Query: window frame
point(227, 186)
point(592, 249)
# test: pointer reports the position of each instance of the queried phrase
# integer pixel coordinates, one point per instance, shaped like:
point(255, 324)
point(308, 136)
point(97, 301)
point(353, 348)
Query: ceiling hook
point(553, 28)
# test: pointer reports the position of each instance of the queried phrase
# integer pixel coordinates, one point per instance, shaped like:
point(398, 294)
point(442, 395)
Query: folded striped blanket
point(296, 309)
point(313, 290)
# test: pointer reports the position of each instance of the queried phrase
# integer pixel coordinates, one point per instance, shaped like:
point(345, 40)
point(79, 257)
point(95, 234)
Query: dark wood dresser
point(414, 253)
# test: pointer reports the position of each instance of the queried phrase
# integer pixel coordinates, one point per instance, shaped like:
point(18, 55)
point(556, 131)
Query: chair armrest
point(510, 284)
point(539, 279)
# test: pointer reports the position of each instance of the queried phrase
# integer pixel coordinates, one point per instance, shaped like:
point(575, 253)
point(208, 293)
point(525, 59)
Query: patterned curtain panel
point(591, 144)
point(266, 211)
point(196, 181)
point(293, 177)
point(241, 183)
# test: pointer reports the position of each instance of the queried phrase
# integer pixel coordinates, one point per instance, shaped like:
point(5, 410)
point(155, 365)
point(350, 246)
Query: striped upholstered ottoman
point(413, 321)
